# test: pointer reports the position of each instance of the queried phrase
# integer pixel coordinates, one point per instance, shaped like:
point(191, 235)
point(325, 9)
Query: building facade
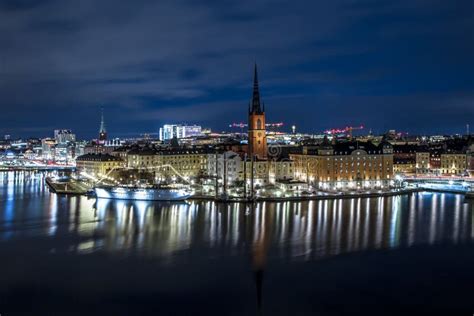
point(345, 165)
point(453, 164)
point(170, 131)
point(267, 171)
point(98, 165)
point(226, 166)
point(470, 159)
point(422, 162)
point(410, 159)
point(64, 136)
point(169, 163)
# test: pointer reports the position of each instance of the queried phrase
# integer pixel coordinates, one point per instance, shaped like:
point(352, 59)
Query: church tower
point(102, 130)
point(256, 127)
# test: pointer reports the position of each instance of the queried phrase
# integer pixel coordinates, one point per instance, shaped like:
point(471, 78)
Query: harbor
point(236, 158)
point(220, 249)
point(72, 186)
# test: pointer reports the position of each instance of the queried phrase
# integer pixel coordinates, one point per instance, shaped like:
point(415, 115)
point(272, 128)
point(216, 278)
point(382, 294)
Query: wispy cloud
point(183, 59)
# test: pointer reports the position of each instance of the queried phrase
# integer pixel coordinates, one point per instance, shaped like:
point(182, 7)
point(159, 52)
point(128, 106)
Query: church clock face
point(259, 134)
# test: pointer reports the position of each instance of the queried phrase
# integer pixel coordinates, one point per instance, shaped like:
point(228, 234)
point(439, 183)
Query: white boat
point(146, 193)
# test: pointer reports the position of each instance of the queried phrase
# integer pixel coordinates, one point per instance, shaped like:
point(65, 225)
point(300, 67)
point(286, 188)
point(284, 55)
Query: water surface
point(232, 259)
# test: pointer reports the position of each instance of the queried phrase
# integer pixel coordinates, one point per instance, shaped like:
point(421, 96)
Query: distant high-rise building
point(63, 136)
point(102, 130)
point(47, 146)
point(256, 132)
point(7, 137)
point(170, 131)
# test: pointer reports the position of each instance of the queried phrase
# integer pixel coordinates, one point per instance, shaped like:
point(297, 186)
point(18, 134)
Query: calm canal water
point(71, 255)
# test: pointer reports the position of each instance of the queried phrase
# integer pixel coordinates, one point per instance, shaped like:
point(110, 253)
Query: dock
point(71, 187)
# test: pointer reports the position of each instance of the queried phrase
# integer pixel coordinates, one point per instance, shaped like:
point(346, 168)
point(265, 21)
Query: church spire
point(102, 122)
point(256, 94)
point(102, 130)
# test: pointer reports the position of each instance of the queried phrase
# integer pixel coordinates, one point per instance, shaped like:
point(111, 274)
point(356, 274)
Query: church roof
point(255, 106)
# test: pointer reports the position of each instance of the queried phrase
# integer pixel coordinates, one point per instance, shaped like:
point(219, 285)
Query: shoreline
point(54, 188)
point(307, 198)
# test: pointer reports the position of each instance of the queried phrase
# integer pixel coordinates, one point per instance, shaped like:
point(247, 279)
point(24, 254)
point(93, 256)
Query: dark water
point(74, 255)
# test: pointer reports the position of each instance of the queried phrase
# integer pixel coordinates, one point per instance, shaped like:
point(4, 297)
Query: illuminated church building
point(102, 130)
point(256, 128)
point(267, 167)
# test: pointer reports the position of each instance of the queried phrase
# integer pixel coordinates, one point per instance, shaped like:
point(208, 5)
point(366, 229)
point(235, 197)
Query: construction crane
point(270, 126)
point(346, 130)
point(239, 125)
point(273, 127)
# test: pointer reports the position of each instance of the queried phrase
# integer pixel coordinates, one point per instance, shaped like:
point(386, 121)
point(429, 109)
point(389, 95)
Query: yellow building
point(188, 163)
point(404, 167)
point(345, 165)
point(410, 159)
point(422, 162)
point(453, 163)
point(267, 171)
point(142, 158)
point(97, 165)
point(169, 163)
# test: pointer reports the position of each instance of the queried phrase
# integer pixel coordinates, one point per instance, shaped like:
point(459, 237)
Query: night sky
point(405, 65)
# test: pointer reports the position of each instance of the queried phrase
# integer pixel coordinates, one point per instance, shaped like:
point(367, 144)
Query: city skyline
point(387, 65)
point(236, 157)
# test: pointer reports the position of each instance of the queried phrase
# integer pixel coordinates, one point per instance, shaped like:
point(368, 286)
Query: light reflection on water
point(298, 231)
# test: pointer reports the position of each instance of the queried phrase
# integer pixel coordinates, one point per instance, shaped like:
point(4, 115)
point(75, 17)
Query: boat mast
point(251, 175)
point(245, 176)
point(217, 182)
point(225, 174)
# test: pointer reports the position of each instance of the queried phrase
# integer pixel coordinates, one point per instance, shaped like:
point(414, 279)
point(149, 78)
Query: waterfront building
point(422, 162)
point(405, 167)
point(410, 159)
point(268, 171)
point(342, 165)
point(435, 161)
point(186, 163)
point(170, 163)
point(139, 157)
point(453, 156)
point(454, 163)
point(229, 166)
point(97, 165)
point(470, 157)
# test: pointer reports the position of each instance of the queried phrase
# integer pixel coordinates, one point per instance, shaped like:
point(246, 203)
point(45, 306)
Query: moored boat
point(154, 193)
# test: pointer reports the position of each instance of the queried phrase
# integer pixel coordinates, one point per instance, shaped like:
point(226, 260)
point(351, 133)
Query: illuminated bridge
point(27, 164)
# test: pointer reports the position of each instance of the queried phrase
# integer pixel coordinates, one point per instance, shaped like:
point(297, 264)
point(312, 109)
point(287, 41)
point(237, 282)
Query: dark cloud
point(151, 62)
